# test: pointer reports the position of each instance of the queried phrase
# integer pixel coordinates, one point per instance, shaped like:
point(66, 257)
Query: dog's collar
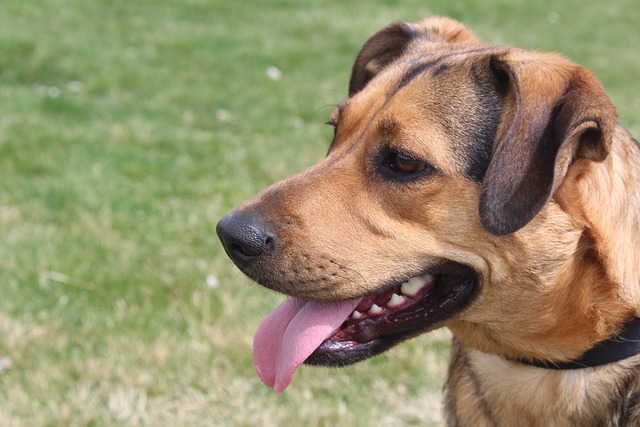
point(616, 348)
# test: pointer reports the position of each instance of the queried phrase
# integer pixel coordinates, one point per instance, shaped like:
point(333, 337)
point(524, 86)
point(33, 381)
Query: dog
point(486, 189)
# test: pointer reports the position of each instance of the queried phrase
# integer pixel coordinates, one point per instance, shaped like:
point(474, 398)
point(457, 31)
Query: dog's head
point(437, 204)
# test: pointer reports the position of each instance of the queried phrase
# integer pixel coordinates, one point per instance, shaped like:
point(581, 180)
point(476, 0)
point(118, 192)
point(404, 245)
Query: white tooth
point(375, 309)
point(395, 300)
point(356, 314)
point(412, 286)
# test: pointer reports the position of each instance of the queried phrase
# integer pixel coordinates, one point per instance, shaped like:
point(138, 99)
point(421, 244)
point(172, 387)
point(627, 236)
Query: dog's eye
point(404, 164)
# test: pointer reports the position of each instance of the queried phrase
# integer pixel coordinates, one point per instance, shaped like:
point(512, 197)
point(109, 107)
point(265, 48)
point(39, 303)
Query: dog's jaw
point(398, 313)
point(339, 333)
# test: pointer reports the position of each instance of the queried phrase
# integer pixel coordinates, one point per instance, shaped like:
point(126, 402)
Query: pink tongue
point(289, 335)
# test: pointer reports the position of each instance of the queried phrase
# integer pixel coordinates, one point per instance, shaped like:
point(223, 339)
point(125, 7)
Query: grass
point(127, 129)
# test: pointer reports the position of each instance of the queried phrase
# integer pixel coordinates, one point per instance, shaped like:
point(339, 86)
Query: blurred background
point(128, 128)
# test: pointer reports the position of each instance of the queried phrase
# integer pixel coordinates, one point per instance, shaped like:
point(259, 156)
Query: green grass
point(128, 128)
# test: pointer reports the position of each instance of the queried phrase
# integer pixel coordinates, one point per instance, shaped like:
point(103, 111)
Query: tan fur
point(493, 391)
point(552, 286)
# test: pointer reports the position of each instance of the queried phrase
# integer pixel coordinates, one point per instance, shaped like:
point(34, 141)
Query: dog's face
point(440, 199)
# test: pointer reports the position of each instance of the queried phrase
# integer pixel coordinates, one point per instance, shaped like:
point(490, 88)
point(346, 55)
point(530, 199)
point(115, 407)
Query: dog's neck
point(613, 227)
point(619, 347)
point(614, 232)
point(602, 272)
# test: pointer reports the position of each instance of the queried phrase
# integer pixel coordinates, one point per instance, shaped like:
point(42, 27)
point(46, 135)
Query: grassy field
point(128, 128)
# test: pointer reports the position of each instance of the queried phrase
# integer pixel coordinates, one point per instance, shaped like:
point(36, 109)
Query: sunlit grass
point(127, 129)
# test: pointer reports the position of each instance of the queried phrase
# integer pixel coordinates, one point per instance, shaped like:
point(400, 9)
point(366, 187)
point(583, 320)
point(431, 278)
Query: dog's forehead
point(444, 94)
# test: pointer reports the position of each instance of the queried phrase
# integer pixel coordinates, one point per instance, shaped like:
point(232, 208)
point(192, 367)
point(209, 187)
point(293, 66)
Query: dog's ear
point(556, 112)
point(393, 41)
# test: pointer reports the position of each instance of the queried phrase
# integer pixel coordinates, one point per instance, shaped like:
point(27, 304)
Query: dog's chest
point(531, 396)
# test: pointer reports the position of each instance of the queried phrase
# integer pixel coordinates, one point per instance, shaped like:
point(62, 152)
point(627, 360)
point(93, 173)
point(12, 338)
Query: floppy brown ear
point(559, 112)
point(393, 41)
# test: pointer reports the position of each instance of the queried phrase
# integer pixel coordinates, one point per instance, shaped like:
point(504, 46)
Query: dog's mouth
point(340, 333)
point(382, 320)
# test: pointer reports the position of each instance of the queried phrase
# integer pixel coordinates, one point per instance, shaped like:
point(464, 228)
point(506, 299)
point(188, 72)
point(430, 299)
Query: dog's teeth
point(395, 301)
point(412, 286)
point(374, 310)
point(356, 314)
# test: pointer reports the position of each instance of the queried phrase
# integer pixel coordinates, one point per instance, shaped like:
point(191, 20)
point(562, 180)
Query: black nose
point(245, 237)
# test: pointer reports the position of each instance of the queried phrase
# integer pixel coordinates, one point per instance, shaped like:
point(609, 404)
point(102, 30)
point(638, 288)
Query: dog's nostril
point(270, 243)
point(238, 249)
point(253, 243)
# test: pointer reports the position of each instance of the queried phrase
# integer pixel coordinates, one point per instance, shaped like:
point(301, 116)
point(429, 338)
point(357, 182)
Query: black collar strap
point(616, 348)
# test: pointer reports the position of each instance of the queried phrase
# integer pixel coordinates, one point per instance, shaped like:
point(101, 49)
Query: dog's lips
point(396, 314)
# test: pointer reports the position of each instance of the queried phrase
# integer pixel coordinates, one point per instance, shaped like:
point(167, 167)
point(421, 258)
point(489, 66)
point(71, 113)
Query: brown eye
point(404, 164)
